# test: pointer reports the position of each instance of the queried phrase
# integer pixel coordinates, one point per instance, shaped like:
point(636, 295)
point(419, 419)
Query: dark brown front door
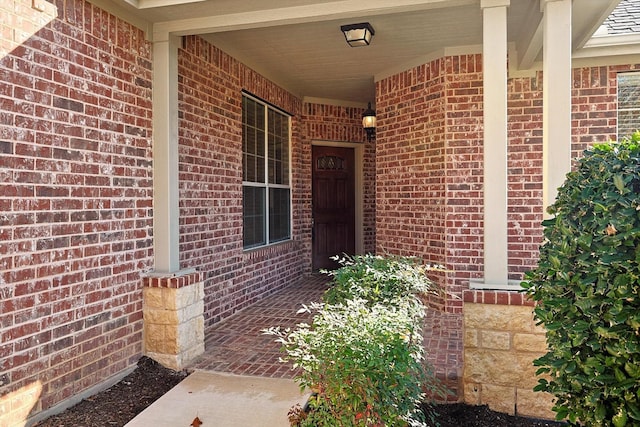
point(333, 205)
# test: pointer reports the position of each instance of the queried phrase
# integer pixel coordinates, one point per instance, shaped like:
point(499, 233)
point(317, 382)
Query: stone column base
point(173, 311)
point(501, 341)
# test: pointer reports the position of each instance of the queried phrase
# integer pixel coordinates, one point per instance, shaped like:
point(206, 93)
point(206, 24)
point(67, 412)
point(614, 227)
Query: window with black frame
point(266, 191)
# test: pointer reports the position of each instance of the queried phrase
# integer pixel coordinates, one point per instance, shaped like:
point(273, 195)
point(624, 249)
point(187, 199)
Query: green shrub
point(379, 279)
point(363, 354)
point(366, 363)
point(587, 288)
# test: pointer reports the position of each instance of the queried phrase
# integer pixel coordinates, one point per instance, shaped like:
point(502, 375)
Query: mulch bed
point(459, 414)
point(119, 404)
point(116, 406)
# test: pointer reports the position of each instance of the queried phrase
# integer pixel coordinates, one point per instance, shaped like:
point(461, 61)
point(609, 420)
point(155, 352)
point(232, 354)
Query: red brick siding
point(594, 109)
point(429, 177)
point(450, 213)
point(479, 296)
point(76, 198)
point(464, 174)
point(210, 108)
point(411, 163)
point(524, 174)
point(210, 114)
point(428, 167)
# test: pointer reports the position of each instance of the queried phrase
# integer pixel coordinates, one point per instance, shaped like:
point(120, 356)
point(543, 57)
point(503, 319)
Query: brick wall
point(524, 174)
point(210, 97)
point(594, 109)
point(76, 200)
point(210, 111)
point(429, 161)
point(411, 163)
point(429, 176)
point(429, 198)
point(464, 196)
point(413, 184)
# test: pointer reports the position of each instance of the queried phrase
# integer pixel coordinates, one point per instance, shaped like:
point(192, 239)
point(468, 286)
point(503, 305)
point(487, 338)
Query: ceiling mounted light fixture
point(369, 122)
point(358, 34)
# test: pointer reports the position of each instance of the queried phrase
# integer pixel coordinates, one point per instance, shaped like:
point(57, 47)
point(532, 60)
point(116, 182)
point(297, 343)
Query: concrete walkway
point(239, 380)
point(223, 400)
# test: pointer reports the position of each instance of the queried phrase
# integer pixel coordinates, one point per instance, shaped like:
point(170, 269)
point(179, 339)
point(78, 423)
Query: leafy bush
point(364, 361)
point(379, 279)
point(363, 355)
point(587, 286)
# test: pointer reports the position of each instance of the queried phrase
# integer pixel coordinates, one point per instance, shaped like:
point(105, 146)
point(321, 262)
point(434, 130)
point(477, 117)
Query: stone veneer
point(173, 310)
point(501, 340)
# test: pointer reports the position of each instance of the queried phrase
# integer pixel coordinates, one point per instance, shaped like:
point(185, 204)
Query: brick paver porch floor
point(236, 345)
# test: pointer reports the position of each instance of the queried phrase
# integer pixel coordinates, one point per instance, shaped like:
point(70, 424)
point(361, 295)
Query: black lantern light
point(369, 122)
point(358, 34)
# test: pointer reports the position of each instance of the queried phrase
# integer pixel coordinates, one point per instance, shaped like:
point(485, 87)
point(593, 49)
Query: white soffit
point(298, 43)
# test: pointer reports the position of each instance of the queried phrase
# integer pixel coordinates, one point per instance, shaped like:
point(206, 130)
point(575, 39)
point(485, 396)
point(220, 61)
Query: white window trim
point(511, 285)
point(266, 185)
point(618, 109)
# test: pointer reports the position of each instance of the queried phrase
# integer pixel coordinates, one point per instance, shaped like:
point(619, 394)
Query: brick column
point(173, 310)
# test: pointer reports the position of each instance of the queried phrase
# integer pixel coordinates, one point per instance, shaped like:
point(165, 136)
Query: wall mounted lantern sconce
point(369, 122)
point(358, 34)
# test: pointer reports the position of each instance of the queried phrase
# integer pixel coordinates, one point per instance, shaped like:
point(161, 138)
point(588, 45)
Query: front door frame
point(358, 152)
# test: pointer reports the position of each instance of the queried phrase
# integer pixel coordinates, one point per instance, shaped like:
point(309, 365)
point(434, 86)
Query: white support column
point(494, 54)
point(556, 96)
point(165, 153)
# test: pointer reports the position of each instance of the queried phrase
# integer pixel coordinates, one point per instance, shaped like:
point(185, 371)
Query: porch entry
point(333, 189)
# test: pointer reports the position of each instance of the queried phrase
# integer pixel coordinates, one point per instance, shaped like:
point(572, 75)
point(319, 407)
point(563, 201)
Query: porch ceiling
point(298, 43)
